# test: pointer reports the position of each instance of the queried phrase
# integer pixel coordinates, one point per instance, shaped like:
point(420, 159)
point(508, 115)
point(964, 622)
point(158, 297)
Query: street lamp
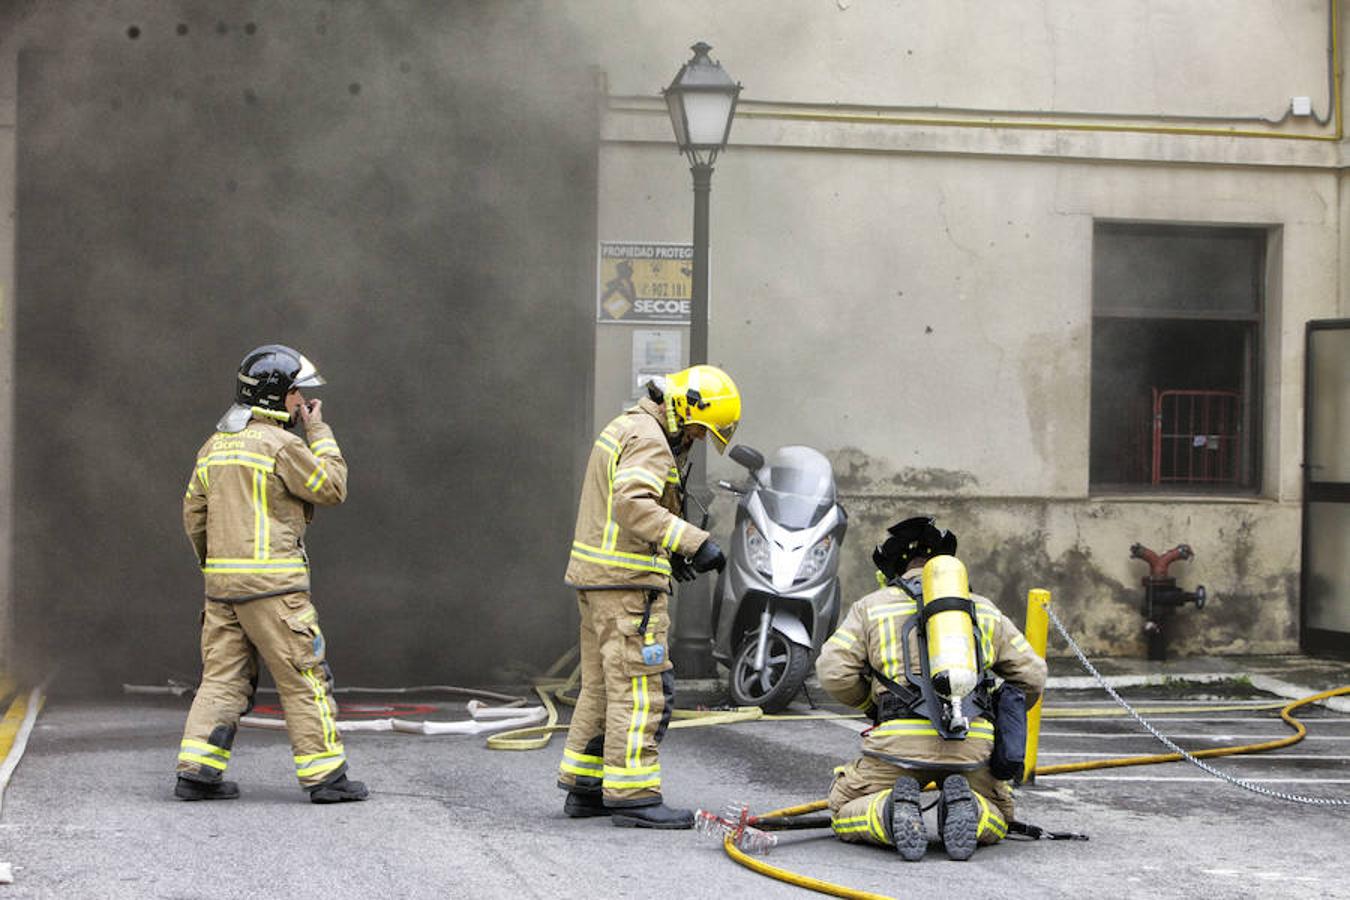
point(701, 101)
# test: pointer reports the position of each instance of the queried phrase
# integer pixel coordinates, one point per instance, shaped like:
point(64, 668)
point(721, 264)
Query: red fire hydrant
point(1162, 597)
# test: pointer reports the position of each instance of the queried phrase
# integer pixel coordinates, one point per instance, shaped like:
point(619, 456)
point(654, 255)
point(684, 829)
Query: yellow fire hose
point(837, 890)
point(552, 688)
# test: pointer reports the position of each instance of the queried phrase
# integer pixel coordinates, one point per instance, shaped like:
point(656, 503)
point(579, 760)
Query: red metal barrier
point(1196, 437)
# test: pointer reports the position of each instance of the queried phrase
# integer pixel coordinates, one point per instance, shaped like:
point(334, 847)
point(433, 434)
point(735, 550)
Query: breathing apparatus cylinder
point(950, 637)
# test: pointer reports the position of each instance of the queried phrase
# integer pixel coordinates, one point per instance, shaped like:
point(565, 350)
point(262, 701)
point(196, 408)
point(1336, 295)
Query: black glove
point(709, 556)
point(682, 569)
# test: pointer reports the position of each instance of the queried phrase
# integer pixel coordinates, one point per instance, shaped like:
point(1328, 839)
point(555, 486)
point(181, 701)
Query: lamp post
point(702, 102)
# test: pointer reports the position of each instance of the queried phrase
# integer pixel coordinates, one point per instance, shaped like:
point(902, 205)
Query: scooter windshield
point(799, 489)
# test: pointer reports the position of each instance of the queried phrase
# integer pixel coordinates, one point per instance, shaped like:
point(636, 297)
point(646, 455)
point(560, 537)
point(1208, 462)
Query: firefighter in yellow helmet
point(249, 499)
point(630, 540)
point(887, 660)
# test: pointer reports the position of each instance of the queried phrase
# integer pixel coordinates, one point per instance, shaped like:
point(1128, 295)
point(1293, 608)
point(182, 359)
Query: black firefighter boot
point(584, 804)
point(190, 789)
point(653, 815)
point(338, 790)
point(958, 817)
point(906, 820)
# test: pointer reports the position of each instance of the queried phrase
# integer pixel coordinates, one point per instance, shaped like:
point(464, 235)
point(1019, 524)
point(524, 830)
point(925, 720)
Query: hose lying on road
point(1286, 713)
point(511, 714)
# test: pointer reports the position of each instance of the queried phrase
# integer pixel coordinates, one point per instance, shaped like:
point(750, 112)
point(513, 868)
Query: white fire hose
point(485, 719)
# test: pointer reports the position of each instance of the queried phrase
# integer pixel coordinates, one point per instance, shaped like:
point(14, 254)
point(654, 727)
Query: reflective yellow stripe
point(874, 817)
point(887, 610)
point(583, 757)
point(674, 531)
point(607, 443)
point(317, 763)
point(610, 538)
point(673, 476)
point(582, 764)
point(632, 777)
point(287, 565)
point(637, 724)
point(925, 730)
point(190, 744)
point(851, 825)
point(330, 738)
point(621, 559)
point(991, 821)
point(327, 754)
point(637, 474)
point(320, 768)
point(979, 729)
point(236, 456)
point(325, 447)
point(239, 458)
point(259, 516)
point(203, 760)
point(317, 477)
point(891, 654)
point(843, 638)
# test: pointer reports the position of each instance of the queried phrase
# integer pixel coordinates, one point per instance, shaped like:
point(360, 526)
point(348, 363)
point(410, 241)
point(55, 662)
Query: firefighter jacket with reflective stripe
point(869, 640)
point(248, 501)
point(628, 521)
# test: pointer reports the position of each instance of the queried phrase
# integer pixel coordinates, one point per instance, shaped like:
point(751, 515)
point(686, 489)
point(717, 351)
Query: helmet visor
point(721, 435)
point(308, 376)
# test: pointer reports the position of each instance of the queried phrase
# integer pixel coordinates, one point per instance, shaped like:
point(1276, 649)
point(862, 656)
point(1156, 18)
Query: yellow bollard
point(1037, 632)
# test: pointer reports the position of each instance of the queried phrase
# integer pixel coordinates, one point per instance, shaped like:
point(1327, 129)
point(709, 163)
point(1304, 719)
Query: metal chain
point(1238, 782)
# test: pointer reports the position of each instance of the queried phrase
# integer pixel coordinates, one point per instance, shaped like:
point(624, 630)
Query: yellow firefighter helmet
point(704, 395)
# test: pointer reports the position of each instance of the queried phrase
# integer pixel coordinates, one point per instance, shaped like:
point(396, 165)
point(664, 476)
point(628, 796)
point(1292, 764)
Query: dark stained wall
point(405, 192)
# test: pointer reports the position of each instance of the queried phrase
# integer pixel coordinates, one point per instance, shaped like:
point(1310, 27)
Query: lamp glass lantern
point(702, 102)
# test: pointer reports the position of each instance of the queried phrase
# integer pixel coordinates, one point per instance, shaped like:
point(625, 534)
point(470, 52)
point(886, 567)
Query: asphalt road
point(90, 813)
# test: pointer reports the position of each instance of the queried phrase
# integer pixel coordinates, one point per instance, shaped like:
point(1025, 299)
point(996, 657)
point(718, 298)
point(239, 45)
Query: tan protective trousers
point(284, 632)
point(624, 704)
point(861, 788)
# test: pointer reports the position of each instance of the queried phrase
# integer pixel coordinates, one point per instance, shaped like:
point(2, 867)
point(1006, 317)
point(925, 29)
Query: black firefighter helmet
point(915, 537)
point(265, 376)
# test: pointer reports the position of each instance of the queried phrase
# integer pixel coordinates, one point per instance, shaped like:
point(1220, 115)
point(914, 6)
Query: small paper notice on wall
point(655, 352)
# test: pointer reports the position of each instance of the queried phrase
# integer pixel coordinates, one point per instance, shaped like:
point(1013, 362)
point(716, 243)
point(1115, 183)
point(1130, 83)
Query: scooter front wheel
point(786, 665)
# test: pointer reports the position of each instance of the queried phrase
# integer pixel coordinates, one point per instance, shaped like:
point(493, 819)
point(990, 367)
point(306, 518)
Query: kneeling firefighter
point(630, 539)
point(921, 655)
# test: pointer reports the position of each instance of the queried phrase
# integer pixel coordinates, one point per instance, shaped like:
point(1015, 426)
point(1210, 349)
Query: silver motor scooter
point(778, 598)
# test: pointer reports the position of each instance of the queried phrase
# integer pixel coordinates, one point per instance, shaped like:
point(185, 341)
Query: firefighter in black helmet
point(260, 483)
point(876, 661)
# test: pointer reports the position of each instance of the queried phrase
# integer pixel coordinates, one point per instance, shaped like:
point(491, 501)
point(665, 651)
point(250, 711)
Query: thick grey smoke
point(404, 191)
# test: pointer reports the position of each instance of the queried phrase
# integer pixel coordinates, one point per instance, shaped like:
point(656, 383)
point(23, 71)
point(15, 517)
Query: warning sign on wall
point(644, 283)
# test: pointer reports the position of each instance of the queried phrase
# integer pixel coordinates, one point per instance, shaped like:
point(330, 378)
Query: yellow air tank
point(950, 636)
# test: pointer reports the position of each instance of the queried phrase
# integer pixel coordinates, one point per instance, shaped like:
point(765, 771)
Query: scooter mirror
point(749, 457)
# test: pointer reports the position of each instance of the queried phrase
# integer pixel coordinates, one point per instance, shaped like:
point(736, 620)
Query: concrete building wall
point(901, 258)
point(910, 290)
